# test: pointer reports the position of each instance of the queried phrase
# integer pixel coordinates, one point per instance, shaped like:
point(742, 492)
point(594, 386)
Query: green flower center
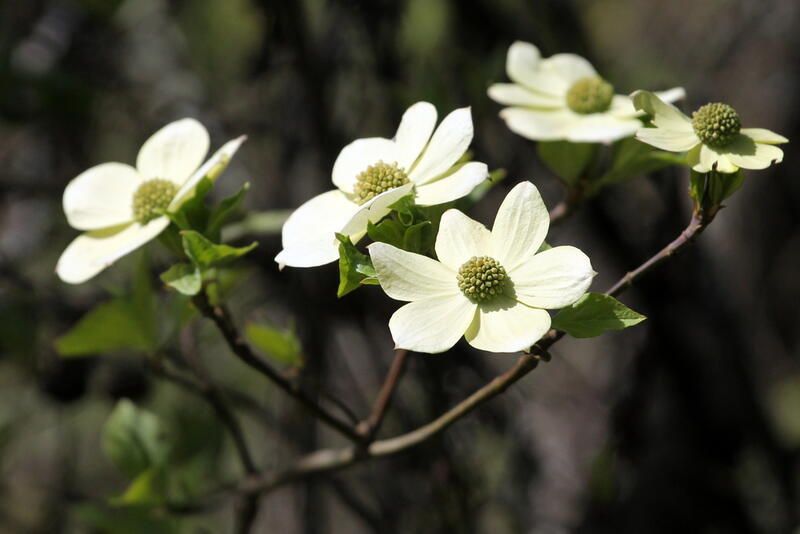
point(152, 199)
point(716, 124)
point(590, 95)
point(378, 178)
point(482, 279)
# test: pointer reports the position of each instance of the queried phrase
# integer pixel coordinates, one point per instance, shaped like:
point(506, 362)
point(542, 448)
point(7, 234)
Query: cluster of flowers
point(492, 287)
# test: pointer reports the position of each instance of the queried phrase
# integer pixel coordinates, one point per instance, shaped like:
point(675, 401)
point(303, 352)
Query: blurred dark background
point(687, 423)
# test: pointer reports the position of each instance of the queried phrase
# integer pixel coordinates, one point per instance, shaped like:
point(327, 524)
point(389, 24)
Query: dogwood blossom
point(121, 207)
point(713, 138)
point(372, 174)
point(492, 287)
point(563, 98)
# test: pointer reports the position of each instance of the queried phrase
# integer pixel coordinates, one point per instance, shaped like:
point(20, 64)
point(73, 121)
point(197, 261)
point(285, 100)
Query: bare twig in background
point(327, 460)
point(370, 426)
point(221, 318)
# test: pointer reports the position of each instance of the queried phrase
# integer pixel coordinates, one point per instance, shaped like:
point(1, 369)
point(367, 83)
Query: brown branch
point(696, 226)
point(370, 426)
point(328, 460)
point(222, 319)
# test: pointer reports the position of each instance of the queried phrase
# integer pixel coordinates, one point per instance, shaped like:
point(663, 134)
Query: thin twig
point(370, 426)
point(328, 460)
point(222, 319)
point(247, 508)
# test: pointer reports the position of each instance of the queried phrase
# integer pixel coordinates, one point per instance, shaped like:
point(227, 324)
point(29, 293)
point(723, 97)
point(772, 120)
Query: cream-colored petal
point(460, 238)
point(90, 253)
point(762, 135)
point(569, 68)
point(453, 186)
point(522, 62)
point(408, 276)
point(663, 115)
point(622, 105)
point(212, 168)
point(447, 145)
point(512, 94)
point(709, 159)
point(746, 153)
point(520, 226)
point(554, 278)
point(507, 326)
point(375, 210)
point(539, 125)
point(414, 132)
point(601, 128)
point(432, 325)
point(360, 154)
point(308, 234)
point(668, 139)
point(174, 152)
point(101, 196)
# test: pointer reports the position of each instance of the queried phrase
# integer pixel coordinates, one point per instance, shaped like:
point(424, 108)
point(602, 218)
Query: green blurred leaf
point(352, 267)
point(204, 253)
point(567, 160)
point(783, 403)
point(111, 326)
point(220, 214)
point(193, 213)
point(263, 223)
point(282, 346)
point(185, 278)
point(633, 158)
point(594, 314)
point(148, 488)
point(134, 439)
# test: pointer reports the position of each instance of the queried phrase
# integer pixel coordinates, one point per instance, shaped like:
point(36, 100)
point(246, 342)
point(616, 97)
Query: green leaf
point(419, 237)
point(567, 160)
point(185, 278)
point(352, 267)
point(134, 439)
point(280, 345)
point(261, 223)
point(407, 211)
point(111, 326)
point(204, 253)
point(148, 488)
point(220, 214)
point(594, 314)
point(387, 231)
point(194, 211)
point(633, 158)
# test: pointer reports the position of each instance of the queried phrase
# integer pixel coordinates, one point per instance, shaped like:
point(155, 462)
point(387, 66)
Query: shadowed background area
point(687, 423)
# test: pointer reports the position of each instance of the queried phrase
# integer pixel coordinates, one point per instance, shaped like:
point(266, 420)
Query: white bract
point(122, 208)
point(492, 287)
point(372, 174)
point(562, 98)
point(713, 138)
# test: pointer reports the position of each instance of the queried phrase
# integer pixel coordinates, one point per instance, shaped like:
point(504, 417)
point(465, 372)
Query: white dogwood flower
point(562, 98)
point(713, 138)
point(121, 208)
point(491, 287)
point(372, 174)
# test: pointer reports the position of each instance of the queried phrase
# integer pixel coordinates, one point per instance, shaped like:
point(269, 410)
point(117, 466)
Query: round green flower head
point(152, 199)
point(377, 179)
point(482, 278)
point(716, 124)
point(590, 95)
